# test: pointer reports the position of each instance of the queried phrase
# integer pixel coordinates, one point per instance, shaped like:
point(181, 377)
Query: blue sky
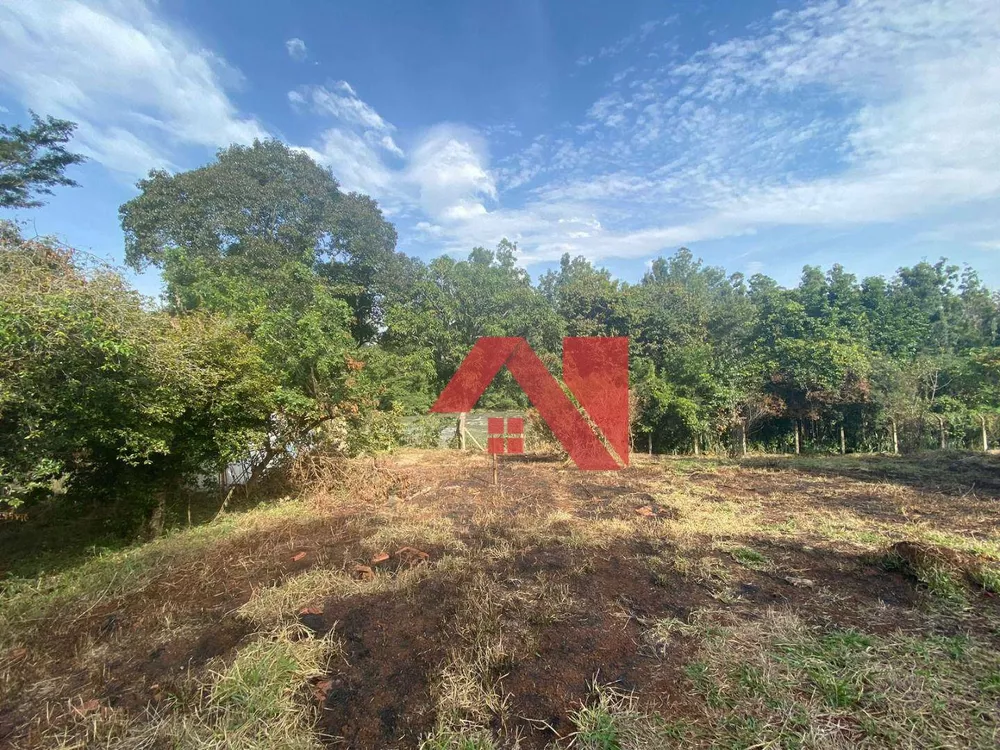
point(762, 135)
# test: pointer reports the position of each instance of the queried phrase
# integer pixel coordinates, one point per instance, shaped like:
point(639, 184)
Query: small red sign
point(505, 435)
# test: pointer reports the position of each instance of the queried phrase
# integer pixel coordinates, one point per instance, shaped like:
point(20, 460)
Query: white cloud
point(445, 176)
point(139, 88)
point(449, 169)
point(356, 146)
point(833, 115)
point(296, 49)
point(341, 101)
point(355, 162)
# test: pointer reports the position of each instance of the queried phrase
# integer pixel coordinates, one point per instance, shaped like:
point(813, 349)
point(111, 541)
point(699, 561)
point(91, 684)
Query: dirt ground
point(679, 602)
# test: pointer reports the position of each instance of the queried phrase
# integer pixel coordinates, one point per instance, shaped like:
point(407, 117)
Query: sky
point(763, 136)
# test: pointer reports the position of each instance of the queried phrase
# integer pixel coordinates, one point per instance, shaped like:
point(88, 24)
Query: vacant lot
point(773, 602)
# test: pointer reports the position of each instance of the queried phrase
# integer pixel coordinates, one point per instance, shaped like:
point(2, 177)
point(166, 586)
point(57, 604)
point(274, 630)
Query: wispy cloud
point(296, 49)
point(627, 41)
point(139, 89)
point(341, 101)
point(835, 114)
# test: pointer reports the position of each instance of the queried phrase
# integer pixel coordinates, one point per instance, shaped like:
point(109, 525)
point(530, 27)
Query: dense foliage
point(98, 390)
point(719, 361)
point(289, 318)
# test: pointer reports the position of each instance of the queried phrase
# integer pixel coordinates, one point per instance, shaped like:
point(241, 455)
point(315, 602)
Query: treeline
point(290, 320)
point(720, 362)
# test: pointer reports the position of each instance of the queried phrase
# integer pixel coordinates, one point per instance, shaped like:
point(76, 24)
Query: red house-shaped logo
point(594, 430)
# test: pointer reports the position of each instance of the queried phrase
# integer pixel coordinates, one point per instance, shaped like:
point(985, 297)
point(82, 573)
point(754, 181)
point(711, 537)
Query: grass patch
point(778, 682)
point(260, 700)
point(280, 604)
point(451, 739)
point(111, 575)
point(941, 584)
point(750, 558)
point(987, 578)
point(612, 720)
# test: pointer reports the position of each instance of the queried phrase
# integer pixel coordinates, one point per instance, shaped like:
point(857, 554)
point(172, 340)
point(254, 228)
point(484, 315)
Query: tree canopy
point(34, 160)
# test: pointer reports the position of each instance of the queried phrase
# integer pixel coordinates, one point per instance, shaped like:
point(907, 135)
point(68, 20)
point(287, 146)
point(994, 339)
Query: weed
point(750, 558)
point(257, 701)
point(613, 721)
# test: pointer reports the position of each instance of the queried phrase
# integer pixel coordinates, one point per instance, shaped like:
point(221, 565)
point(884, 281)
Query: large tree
point(34, 160)
point(265, 236)
point(267, 215)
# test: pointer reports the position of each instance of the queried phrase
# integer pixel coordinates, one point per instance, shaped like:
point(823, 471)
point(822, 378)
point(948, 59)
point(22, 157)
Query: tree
point(265, 215)
point(691, 323)
point(33, 160)
point(588, 299)
point(979, 387)
point(264, 236)
point(453, 303)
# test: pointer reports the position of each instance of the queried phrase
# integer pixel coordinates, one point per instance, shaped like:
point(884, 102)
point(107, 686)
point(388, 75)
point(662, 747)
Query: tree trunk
point(843, 440)
point(943, 436)
point(154, 525)
point(743, 438)
point(261, 467)
point(986, 439)
point(798, 438)
point(697, 448)
point(895, 436)
point(650, 437)
point(461, 430)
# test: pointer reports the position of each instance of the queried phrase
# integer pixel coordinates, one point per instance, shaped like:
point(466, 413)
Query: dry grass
point(756, 677)
point(259, 702)
point(612, 720)
point(281, 604)
point(780, 682)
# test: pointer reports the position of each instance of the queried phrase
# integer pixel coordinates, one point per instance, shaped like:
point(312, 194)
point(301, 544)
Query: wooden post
point(843, 440)
point(943, 438)
point(496, 469)
point(986, 439)
point(743, 438)
point(461, 430)
point(696, 446)
point(650, 436)
point(798, 438)
point(895, 436)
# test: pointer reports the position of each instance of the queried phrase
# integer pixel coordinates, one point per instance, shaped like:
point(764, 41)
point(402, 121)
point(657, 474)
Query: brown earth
point(821, 539)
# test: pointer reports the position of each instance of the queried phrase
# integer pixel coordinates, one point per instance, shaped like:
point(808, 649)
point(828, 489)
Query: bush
point(425, 432)
point(97, 390)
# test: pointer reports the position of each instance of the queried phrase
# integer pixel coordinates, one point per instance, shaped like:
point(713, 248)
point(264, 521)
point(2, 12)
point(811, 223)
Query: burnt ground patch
point(601, 641)
point(393, 644)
